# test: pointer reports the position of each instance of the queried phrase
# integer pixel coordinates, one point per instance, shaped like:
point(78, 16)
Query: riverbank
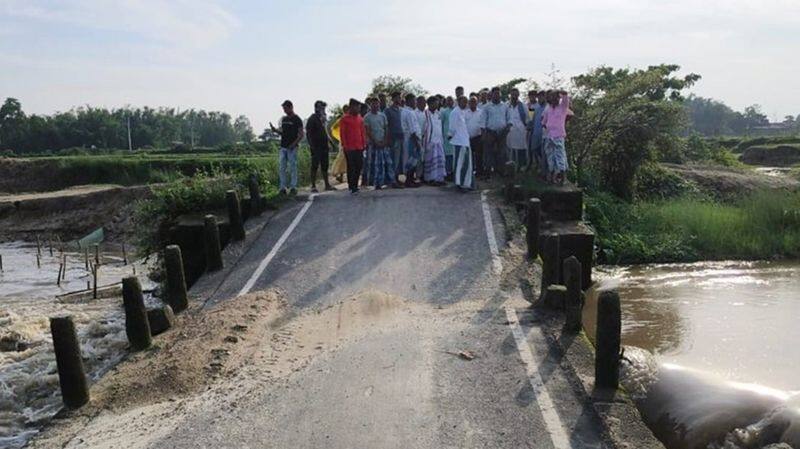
point(689, 213)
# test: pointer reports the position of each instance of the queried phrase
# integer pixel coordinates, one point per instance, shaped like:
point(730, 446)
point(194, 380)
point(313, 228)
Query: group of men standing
point(431, 140)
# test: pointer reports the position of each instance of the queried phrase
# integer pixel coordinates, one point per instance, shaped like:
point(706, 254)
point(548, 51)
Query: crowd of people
point(411, 140)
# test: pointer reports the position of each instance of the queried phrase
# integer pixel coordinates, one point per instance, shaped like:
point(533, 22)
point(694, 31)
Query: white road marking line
point(271, 255)
point(554, 426)
point(497, 264)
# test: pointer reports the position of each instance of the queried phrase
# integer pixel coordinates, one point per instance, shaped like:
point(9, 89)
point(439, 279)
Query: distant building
point(774, 129)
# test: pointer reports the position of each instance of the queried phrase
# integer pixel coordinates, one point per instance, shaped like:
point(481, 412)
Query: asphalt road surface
point(408, 279)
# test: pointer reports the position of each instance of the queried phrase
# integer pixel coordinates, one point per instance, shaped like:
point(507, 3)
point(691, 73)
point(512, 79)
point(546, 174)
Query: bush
point(763, 225)
point(203, 192)
point(654, 182)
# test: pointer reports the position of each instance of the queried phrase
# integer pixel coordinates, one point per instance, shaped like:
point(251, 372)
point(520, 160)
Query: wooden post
point(532, 221)
point(95, 275)
point(608, 340)
point(574, 300)
point(64, 271)
point(176, 279)
point(235, 215)
point(136, 325)
point(38, 261)
point(550, 262)
point(71, 375)
point(124, 255)
point(58, 278)
point(86, 258)
point(213, 248)
point(96, 254)
point(255, 195)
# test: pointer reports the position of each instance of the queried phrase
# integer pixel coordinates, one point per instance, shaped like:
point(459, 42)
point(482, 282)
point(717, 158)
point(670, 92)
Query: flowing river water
point(722, 354)
point(29, 295)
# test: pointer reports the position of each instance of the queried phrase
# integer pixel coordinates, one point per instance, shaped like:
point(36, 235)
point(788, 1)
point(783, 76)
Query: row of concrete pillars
point(570, 298)
point(141, 324)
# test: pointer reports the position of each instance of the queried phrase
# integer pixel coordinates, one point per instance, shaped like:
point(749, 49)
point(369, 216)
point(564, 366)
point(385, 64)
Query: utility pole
point(191, 131)
point(130, 147)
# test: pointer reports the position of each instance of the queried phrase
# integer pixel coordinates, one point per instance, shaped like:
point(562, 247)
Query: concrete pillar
point(136, 325)
point(551, 261)
point(532, 222)
point(255, 195)
point(608, 340)
point(71, 375)
point(235, 215)
point(555, 296)
point(507, 190)
point(213, 248)
point(160, 319)
point(574, 299)
point(177, 297)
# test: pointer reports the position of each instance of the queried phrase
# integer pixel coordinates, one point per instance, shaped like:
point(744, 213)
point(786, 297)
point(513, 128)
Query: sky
point(247, 56)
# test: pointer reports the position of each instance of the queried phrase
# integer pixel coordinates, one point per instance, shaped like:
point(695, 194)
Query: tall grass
point(763, 225)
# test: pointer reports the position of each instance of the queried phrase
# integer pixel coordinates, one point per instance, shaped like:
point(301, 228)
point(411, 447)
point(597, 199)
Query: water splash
point(29, 390)
point(691, 409)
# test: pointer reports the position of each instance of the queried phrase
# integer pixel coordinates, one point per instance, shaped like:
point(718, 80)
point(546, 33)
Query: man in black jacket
point(318, 141)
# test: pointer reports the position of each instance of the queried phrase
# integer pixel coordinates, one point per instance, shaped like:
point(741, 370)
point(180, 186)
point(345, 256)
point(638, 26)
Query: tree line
point(88, 127)
point(711, 117)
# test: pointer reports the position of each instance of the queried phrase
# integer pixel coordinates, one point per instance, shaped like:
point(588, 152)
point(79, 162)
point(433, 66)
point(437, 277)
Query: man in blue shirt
point(536, 106)
point(396, 136)
point(494, 129)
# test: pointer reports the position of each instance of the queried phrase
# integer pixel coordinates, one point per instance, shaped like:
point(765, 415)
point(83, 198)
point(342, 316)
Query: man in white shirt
point(472, 116)
point(458, 135)
point(422, 103)
point(412, 134)
point(517, 138)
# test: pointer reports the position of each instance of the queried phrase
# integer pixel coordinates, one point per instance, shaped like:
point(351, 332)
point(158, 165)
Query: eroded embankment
point(70, 214)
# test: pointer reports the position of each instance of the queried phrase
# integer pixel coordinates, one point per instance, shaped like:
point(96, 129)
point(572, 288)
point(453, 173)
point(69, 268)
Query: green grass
point(764, 141)
point(763, 225)
point(149, 168)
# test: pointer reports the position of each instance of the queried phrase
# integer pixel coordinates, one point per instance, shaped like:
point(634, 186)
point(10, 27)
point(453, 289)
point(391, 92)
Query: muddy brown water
point(724, 360)
point(29, 392)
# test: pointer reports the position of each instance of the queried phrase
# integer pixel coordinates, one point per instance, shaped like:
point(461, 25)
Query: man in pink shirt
point(554, 121)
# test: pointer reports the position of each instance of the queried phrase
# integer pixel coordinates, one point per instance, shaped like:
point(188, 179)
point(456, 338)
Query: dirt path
point(72, 191)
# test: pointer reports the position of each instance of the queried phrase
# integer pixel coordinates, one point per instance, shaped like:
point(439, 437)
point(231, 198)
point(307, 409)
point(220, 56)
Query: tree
point(386, 84)
point(754, 117)
point(505, 88)
point(242, 129)
point(12, 123)
point(555, 80)
point(619, 116)
point(710, 117)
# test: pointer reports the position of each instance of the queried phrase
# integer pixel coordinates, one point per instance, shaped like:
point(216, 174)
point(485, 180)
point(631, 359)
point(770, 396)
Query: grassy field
point(57, 172)
point(763, 225)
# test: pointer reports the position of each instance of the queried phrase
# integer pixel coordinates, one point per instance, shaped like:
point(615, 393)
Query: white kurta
point(517, 138)
point(458, 128)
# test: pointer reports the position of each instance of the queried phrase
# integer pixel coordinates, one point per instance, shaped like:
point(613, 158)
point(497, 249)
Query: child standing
point(554, 121)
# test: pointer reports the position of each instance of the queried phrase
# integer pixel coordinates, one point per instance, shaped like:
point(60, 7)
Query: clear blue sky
point(246, 56)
